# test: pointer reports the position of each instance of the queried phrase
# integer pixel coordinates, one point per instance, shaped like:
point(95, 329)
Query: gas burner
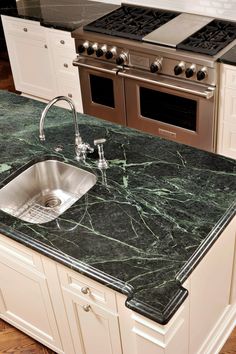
point(132, 22)
point(211, 38)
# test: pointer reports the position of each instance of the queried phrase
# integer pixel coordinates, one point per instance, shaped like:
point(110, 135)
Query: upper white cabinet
point(41, 60)
point(30, 59)
point(226, 143)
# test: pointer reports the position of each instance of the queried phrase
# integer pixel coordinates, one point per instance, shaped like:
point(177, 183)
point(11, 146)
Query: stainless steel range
point(154, 70)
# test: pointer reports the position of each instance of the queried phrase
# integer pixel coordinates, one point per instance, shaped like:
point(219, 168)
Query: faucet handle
point(81, 151)
point(102, 162)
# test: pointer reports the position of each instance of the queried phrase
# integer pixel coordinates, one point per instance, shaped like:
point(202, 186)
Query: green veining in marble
point(139, 229)
point(4, 167)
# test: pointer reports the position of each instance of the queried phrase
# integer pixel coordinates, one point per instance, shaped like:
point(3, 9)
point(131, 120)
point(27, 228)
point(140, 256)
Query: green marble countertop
point(59, 14)
point(140, 229)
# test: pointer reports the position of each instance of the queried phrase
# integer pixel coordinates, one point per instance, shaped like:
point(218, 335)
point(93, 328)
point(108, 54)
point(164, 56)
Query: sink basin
point(45, 190)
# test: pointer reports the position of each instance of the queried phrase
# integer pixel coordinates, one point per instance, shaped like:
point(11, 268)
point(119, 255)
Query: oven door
point(102, 90)
point(171, 108)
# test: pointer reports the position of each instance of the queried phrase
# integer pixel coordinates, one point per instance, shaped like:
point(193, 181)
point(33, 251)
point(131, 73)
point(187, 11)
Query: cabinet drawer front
point(64, 65)
point(19, 254)
point(87, 289)
point(72, 92)
point(24, 28)
point(62, 40)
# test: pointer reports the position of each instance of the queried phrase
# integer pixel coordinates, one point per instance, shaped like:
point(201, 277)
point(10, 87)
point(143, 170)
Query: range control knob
point(156, 66)
point(90, 50)
point(179, 69)
point(122, 58)
point(82, 47)
point(189, 72)
point(110, 53)
point(99, 52)
point(202, 74)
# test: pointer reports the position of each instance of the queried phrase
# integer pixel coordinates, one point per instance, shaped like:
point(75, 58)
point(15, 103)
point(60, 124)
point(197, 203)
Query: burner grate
point(211, 38)
point(132, 22)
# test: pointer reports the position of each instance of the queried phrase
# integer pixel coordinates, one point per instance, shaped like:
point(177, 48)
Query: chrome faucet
point(81, 148)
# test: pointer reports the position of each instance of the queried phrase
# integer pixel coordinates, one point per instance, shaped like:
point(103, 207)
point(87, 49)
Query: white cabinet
point(24, 297)
point(30, 60)
point(41, 61)
point(66, 75)
point(93, 314)
point(226, 143)
point(141, 335)
point(212, 304)
point(60, 308)
point(206, 318)
point(73, 314)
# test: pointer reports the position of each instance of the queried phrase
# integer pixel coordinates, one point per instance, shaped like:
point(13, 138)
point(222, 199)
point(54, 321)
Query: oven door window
point(168, 108)
point(102, 91)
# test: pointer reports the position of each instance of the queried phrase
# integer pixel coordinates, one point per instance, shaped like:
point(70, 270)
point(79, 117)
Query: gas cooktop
point(133, 22)
point(199, 34)
point(211, 38)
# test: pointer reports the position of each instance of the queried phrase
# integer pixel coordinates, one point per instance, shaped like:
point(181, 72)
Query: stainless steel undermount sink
point(45, 190)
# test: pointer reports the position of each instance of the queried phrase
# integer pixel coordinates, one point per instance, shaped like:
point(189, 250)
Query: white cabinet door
point(30, 58)
point(24, 297)
point(95, 328)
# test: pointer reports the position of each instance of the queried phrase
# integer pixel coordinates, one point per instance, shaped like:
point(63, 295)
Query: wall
point(225, 9)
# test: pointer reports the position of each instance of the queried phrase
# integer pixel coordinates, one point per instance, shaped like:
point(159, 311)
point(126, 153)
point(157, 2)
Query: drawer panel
point(87, 289)
point(62, 40)
point(24, 28)
point(19, 254)
point(64, 65)
point(70, 91)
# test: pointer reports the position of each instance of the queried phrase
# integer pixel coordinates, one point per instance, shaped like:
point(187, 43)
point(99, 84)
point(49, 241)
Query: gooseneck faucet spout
point(81, 148)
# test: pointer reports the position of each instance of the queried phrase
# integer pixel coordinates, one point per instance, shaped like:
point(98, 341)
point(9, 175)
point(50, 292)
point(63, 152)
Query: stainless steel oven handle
point(208, 93)
point(80, 63)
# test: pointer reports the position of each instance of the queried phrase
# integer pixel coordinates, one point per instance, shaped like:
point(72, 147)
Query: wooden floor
point(13, 341)
point(6, 80)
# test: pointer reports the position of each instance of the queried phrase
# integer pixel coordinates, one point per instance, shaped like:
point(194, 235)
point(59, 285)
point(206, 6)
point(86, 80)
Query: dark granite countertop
point(147, 222)
point(229, 57)
point(59, 14)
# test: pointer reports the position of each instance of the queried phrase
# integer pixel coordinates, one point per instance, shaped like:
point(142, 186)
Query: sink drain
point(51, 201)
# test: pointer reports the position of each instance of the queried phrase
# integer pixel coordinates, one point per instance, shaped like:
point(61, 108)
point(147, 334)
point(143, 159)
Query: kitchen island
point(147, 223)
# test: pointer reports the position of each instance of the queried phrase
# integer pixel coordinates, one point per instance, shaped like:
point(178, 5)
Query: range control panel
point(155, 64)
